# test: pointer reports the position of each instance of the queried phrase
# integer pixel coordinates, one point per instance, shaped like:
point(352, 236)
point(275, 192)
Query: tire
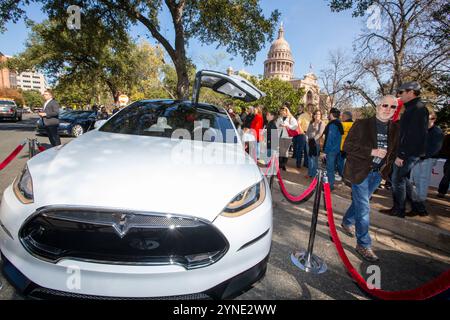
point(77, 130)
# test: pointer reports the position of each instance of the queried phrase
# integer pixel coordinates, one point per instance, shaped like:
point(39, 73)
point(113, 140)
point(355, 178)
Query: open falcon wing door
point(230, 85)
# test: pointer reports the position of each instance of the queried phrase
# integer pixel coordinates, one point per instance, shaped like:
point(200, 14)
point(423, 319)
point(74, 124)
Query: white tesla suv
point(161, 200)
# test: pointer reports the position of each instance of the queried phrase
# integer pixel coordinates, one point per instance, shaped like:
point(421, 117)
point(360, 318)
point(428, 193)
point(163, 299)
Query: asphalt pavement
point(404, 264)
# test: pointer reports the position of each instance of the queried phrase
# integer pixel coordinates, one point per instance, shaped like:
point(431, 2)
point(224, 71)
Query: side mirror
point(99, 123)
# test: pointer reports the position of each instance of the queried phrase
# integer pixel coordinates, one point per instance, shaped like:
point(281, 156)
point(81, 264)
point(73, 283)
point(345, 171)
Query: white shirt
point(290, 122)
point(45, 104)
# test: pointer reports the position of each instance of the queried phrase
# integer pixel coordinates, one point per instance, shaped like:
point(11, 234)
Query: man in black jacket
point(412, 144)
point(50, 117)
point(445, 154)
point(417, 186)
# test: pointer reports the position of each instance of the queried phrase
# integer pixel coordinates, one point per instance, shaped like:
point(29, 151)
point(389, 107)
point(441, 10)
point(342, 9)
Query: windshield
point(70, 115)
point(173, 119)
point(7, 102)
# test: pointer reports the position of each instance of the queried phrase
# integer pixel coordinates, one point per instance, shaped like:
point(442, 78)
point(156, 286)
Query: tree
point(14, 94)
point(32, 98)
point(443, 118)
point(151, 72)
point(407, 45)
point(77, 95)
point(334, 80)
point(96, 58)
point(237, 25)
point(277, 92)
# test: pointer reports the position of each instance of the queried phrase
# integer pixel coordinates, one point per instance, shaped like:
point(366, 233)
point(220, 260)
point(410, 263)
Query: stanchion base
point(314, 265)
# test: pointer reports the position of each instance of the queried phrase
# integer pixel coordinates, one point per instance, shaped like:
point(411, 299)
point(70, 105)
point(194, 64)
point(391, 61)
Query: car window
point(75, 115)
point(7, 102)
point(177, 119)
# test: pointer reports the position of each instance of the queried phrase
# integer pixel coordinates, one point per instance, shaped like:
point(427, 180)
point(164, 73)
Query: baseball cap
point(348, 114)
point(412, 85)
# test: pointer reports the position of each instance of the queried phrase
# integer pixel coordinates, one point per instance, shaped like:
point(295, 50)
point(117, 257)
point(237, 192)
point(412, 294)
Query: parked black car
point(71, 123)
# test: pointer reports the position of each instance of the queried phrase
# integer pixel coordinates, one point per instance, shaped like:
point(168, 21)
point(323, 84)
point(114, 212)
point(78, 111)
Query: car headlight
point(246, 200)
point(23, 187)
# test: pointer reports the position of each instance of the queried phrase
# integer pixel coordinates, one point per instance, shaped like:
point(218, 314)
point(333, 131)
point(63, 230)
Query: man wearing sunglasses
point(412, 144)
point(370, 147)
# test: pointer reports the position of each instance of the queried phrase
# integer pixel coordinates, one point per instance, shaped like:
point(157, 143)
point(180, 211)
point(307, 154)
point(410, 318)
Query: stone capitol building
point(280, 64)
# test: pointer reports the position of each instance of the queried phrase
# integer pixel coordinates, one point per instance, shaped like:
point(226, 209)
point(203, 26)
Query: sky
point(311, 29)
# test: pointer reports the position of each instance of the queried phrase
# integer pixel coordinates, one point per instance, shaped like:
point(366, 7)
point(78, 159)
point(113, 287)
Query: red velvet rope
point(426, 291)
point(41, 148)
point(295, 199)
point(269, 165)
point(11, 156)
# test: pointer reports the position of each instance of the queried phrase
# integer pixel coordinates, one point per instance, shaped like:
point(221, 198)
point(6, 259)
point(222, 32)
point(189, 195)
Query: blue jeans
point(341, 163)
point(417, 185)
point(313, 163)
point(299, 149)
point(400, 177)
point(305, 152)
point(358, 212)
point(331, 167)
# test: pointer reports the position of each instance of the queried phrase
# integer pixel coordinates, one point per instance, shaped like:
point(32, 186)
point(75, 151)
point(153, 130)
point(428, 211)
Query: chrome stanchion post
point(34, 145)
point(273, 169)
point(30, 149)
point(307, 261)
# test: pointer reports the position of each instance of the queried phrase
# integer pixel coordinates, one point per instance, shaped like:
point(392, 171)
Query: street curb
point(431, 236)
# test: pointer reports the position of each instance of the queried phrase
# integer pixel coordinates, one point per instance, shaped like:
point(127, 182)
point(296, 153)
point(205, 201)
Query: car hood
point(141, 173)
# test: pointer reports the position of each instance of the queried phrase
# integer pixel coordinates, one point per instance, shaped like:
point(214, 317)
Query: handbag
point(292, 133)
point(312, 147)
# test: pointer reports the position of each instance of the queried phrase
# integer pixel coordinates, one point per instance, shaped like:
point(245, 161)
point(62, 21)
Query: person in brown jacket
point(370, 147)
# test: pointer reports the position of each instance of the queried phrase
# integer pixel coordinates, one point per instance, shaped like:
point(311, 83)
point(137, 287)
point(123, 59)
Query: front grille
point(122, 237)
point(44, 293)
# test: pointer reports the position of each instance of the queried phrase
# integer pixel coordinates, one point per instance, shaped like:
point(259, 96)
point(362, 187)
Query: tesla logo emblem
point(121, 225)
point(144, 244)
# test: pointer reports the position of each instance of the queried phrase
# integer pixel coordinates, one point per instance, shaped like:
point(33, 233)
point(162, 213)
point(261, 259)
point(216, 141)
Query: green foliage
point(11, 11)
point(279, 91)
point(87, 60)
point(367, 111)
point(443, 118)
point(151, 72)
point(238, 25)
point(76, 95)
point(32, 98)
point(359, 6)
point(12, 94)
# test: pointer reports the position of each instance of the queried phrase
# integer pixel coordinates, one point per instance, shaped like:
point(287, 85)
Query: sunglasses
point(387, 106)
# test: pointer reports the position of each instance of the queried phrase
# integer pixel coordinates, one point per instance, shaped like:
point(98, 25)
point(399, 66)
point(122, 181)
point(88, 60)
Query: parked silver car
point(9, 110)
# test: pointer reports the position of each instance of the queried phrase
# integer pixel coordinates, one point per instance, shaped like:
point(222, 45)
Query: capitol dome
point(279, 63)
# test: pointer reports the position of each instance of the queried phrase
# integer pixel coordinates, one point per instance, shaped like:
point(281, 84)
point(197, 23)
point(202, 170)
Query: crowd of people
point(399, 145)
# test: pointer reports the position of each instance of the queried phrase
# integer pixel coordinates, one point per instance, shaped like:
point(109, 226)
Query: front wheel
point(77, 130)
